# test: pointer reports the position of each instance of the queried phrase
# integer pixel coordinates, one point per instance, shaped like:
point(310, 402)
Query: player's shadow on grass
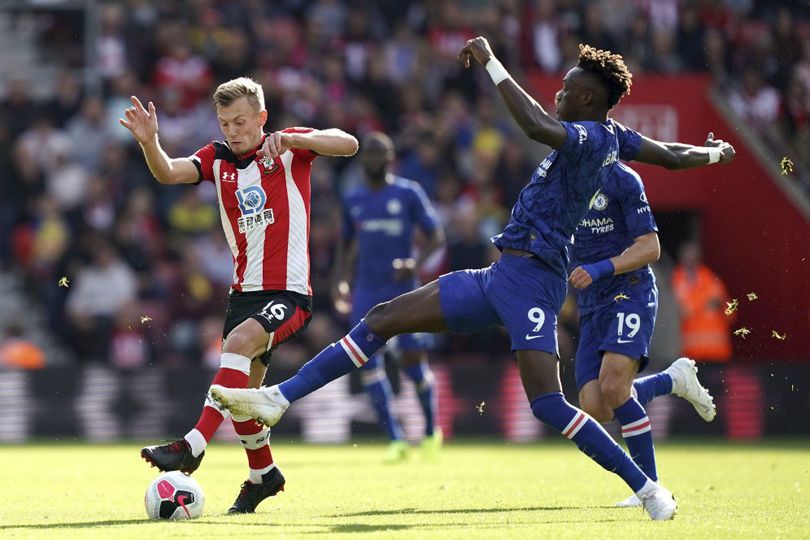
point(369, 528)
point(77, 525)
point(394, 512)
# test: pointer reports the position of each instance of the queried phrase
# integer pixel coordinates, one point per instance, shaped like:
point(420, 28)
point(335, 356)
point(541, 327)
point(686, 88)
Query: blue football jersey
point(560, 192)
point(620, 214)
point(383, 223)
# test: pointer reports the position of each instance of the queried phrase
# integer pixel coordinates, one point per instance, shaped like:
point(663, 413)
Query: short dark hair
point(609, 68)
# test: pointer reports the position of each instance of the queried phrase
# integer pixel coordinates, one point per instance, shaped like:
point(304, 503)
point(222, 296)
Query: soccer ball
point(173, 495)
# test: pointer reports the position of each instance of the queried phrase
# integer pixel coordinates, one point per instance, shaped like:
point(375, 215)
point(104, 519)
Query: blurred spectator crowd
point(146, 267)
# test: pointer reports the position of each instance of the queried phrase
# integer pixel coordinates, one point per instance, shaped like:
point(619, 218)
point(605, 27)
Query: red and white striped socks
point(256, 441)
point(234, 372)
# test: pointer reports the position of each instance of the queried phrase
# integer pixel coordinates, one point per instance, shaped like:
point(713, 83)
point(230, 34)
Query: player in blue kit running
point(618, 297)
point(525, 289)
point(379, 218)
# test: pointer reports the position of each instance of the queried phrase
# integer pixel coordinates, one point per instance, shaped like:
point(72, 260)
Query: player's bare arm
point(528, 113)
point(143, 125)
point(645, 250)
point(676, 156)
point(324, 142)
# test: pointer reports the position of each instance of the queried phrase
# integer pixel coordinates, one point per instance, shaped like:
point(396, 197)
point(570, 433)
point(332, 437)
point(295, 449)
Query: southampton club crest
point(268, 165)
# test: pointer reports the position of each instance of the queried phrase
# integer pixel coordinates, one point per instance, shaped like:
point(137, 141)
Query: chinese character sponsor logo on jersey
point(251, 203)
point(251, 199)
point(262, 219)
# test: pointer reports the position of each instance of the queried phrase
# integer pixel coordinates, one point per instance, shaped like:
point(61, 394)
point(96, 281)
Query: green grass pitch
point(489, 490)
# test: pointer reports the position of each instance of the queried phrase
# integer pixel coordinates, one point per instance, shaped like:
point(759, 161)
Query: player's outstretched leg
point(540, 375)
point(415, 311)
point(267, 405)
point(378, 388)
point(187, 453)
point(594, 442)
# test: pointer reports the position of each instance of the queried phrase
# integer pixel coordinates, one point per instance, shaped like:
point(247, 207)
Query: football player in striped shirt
point(263, 187)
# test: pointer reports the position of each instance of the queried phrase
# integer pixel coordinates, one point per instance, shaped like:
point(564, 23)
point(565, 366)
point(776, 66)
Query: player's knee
point(615, 391)
point(381, 320)
point(596, 409)
point(244, 343)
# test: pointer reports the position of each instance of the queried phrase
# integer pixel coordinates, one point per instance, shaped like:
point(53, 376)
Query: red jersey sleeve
point(204, 161)
point(302, 153)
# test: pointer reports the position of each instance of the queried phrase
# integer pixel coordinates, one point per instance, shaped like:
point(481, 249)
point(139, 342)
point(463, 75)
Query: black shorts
point(283, 314)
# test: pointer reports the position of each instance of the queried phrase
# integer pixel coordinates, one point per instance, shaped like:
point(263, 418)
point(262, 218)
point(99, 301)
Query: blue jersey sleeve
point(629, 141)
point(347, 223)
point(422, 211)
point(636, 209)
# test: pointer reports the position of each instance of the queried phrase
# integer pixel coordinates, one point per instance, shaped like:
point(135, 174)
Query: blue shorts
point(363, 300)
point(624, 328)
point(521, 293)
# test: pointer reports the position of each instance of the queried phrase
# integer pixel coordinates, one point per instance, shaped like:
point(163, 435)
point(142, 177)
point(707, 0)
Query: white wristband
point(714, 155)
point(496, 71)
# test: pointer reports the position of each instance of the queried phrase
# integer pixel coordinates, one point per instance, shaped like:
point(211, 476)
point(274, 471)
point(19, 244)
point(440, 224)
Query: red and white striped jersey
point(264, 207)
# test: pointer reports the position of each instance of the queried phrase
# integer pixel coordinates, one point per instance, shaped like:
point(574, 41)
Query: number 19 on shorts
point(632, 321)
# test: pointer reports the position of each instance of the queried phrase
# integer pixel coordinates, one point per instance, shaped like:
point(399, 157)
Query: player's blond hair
point(228, 92)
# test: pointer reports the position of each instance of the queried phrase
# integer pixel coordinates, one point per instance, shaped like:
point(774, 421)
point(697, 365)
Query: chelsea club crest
point(600, 202)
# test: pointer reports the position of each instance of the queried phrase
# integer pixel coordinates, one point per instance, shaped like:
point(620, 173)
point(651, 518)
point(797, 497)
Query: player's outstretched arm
point(530, 115)
point(684, 156)
point(644, 250)
point(143, 125)
point(324, 142)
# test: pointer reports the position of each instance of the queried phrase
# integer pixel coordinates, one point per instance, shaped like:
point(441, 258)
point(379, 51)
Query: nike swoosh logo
point(181, 500)
point(530, 337)
point(624, 340)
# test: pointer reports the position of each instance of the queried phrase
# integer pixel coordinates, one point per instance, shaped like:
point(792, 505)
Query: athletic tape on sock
point(236, 362)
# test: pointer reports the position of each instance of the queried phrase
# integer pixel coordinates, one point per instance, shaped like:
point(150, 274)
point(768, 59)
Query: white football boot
point(659, 503)
point(630, 502)
point(685, 384)
point(266, 405)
